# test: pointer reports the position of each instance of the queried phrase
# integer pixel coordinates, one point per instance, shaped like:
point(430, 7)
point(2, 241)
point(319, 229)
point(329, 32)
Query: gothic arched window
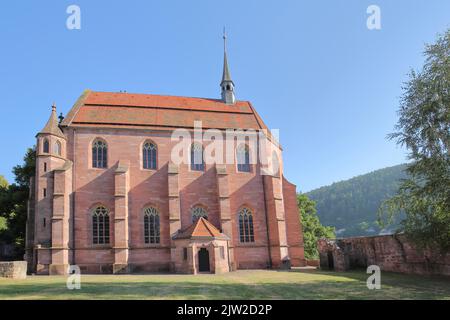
point(198, 212)
point(100, 225)
point(99, 154)
point(151, 225)
point(246, 225)
point(197, 163)
point(57, 148)
point(243, 158)
point(149, 153)
point(46, 146)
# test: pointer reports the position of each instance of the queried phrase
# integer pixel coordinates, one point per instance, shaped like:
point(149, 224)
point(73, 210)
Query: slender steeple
point(227, 84)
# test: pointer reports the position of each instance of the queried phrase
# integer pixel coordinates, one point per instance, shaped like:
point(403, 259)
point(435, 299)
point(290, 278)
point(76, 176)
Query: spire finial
point(53, 106)
point(224, 40)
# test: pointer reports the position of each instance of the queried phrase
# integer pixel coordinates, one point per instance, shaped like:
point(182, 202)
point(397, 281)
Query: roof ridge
point(165, 95)
point(209, 226)
point(197, 223)
point(166, 108)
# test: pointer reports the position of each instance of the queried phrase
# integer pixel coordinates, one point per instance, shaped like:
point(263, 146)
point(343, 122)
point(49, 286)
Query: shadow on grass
point(349, 285)
point(421, 286)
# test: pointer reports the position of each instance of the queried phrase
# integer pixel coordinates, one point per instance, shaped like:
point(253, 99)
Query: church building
point(108, 196)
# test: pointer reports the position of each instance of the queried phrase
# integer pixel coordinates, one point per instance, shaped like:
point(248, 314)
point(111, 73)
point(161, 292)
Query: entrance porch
point(201, 248)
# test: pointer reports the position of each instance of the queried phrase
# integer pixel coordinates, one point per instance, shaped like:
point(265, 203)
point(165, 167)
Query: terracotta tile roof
point(148, 110)
point(202, 228)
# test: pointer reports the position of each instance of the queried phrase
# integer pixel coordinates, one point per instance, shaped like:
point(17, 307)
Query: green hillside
point(351, 205)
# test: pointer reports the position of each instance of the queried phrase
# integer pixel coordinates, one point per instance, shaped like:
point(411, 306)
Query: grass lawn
point(243, 284)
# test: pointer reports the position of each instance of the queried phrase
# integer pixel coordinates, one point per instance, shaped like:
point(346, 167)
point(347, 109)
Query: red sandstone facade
point(68, 188)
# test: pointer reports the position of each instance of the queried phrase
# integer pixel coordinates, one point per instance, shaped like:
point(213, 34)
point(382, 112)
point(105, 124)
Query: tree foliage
point(3, 187)
point(313, 230)
point(351, 206)
point(424, 129)
point(13, 202)
point(3, 182)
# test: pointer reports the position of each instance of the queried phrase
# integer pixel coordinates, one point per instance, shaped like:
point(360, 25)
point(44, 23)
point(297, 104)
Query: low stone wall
point(390, 252)
point(13, 269)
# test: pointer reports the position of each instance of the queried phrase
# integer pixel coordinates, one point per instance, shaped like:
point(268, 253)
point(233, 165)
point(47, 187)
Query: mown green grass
point(250, 284)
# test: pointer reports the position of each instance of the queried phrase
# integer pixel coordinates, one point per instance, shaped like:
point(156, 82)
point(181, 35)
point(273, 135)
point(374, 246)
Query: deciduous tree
point(13, 202)
point(424, 129)
point(313, 230)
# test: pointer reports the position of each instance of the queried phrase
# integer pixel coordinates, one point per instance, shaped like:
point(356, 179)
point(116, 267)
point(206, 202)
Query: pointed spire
point(52, 125)
point(226, 84)
point(226, 72)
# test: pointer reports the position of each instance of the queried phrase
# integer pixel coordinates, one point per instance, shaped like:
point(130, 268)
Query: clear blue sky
point(311, 68)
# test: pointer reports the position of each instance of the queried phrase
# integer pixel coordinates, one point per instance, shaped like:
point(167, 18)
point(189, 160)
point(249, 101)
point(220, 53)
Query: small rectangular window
point(45, 192)
point(222, 252)
point(45, 166)
point(44, 222)
point(184, 253)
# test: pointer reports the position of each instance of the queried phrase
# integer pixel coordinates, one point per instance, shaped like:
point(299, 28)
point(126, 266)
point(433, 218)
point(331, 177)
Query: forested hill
point(351, 205)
